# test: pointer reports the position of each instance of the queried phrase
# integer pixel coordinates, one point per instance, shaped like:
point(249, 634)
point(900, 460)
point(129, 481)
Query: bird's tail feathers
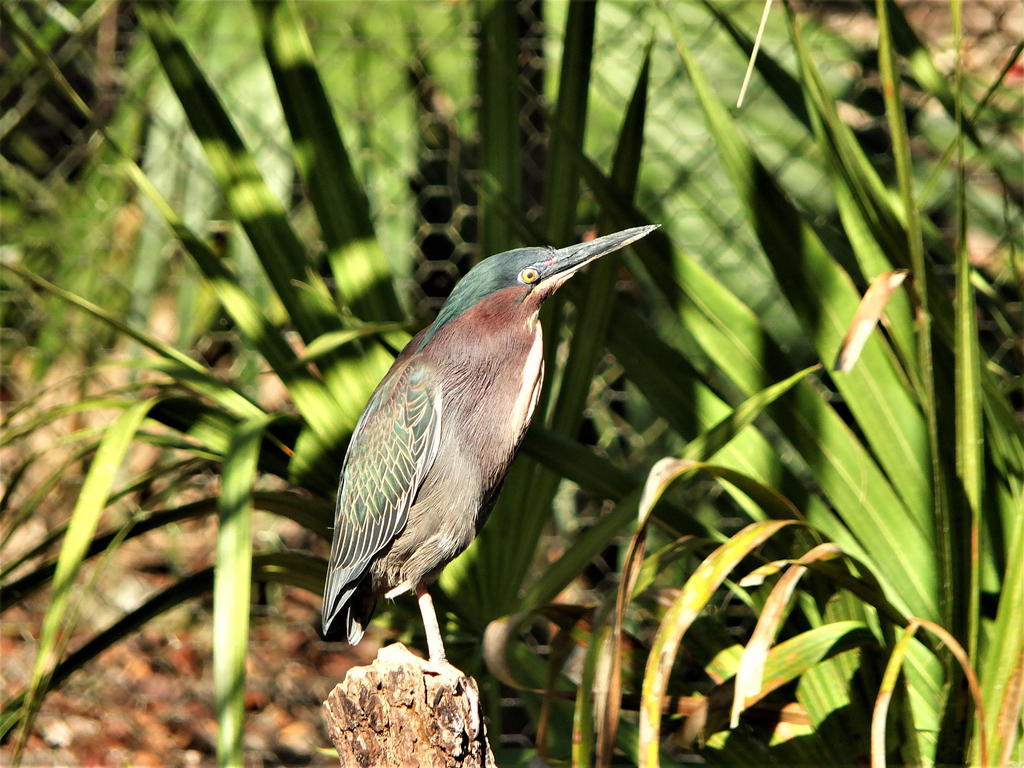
point(354, 625)
point(352, 609)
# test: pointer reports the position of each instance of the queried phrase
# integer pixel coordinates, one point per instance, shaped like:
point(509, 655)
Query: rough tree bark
point(404, 711)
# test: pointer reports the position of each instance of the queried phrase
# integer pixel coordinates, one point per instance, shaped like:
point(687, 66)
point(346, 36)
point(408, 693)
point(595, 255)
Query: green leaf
point(824, 299)
point(694, 595)
point(500, 139)
point(1002, 668)
point(184, 367)
point(339, 200)
point(561, 177)
point(56, 625)
point(707, 444)
point(266, 224)
point(231, 586)
point(790, 660)
point(970, 433)
point(333, 340)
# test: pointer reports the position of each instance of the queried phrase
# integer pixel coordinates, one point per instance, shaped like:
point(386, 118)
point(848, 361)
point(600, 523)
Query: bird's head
point(527, 276)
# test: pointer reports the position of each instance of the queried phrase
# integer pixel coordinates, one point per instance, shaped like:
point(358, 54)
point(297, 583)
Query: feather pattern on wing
point(392, 448)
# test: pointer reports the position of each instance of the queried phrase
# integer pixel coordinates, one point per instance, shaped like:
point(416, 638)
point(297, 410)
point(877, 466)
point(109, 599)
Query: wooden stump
point(404, 711)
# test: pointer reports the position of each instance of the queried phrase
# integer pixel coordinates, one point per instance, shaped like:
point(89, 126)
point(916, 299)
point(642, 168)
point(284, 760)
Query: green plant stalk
point(583, 711)
point(501, 196)
point(971, 120)
point(534, 485)
point(915, 246)
point(927, 75)
point(969, 428)
point(695, 594)
point(1002, 668)
point(500, 140)
point(593, 317)
point(561, 177)
point(232, 579)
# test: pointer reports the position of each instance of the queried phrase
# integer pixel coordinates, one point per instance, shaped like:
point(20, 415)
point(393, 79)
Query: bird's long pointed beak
point(566, 261)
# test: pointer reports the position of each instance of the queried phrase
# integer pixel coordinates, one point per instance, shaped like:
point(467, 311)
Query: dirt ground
point(148, 701)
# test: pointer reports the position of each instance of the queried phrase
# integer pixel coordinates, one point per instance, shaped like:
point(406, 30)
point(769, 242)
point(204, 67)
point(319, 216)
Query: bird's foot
point(438, 667)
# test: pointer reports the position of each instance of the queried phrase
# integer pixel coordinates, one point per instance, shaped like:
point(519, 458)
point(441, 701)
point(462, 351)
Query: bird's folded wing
point(392, 448)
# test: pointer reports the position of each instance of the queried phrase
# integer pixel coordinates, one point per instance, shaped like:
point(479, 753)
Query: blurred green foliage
point(229, 202)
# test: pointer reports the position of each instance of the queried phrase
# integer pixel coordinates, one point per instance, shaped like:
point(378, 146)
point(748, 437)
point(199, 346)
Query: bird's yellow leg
point(435, 647)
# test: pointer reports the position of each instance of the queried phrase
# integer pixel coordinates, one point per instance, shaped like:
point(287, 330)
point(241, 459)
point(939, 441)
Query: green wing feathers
point(392, 448)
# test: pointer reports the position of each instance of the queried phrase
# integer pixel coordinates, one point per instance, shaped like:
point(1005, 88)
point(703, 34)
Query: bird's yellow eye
point(529, 275)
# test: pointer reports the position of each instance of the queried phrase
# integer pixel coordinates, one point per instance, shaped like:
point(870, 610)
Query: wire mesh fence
point(404, 97)
point(412, 130)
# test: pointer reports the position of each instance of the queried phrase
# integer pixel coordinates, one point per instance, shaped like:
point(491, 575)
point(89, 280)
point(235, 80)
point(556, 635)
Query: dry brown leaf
point(868, 313)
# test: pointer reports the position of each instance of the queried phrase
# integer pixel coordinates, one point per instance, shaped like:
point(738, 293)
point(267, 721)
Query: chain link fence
point(407, 115)
point(430, 209)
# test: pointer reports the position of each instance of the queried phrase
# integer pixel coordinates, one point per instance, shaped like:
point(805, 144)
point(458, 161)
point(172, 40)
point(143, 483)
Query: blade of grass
point(915, 247)
point(561, 178)
point(583, 709)
point(753, 52)
point(710, 442)
point(333, 340)
point(920, 64)
point(483, 595)
point(112, 400)
point(979, 108)
point(231, 586)
point(15, 517)
point(695, 594)
point(969, 428)
point(608, 708)
point(500, 140)
point(593, 315)
point(749, 678)
point(84, 518)
point(885, 693)
point(789, 660)
point(1002, 669)
point(892, 671)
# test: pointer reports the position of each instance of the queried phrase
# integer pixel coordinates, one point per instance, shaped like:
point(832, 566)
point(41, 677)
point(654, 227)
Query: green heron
point(429, 454)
